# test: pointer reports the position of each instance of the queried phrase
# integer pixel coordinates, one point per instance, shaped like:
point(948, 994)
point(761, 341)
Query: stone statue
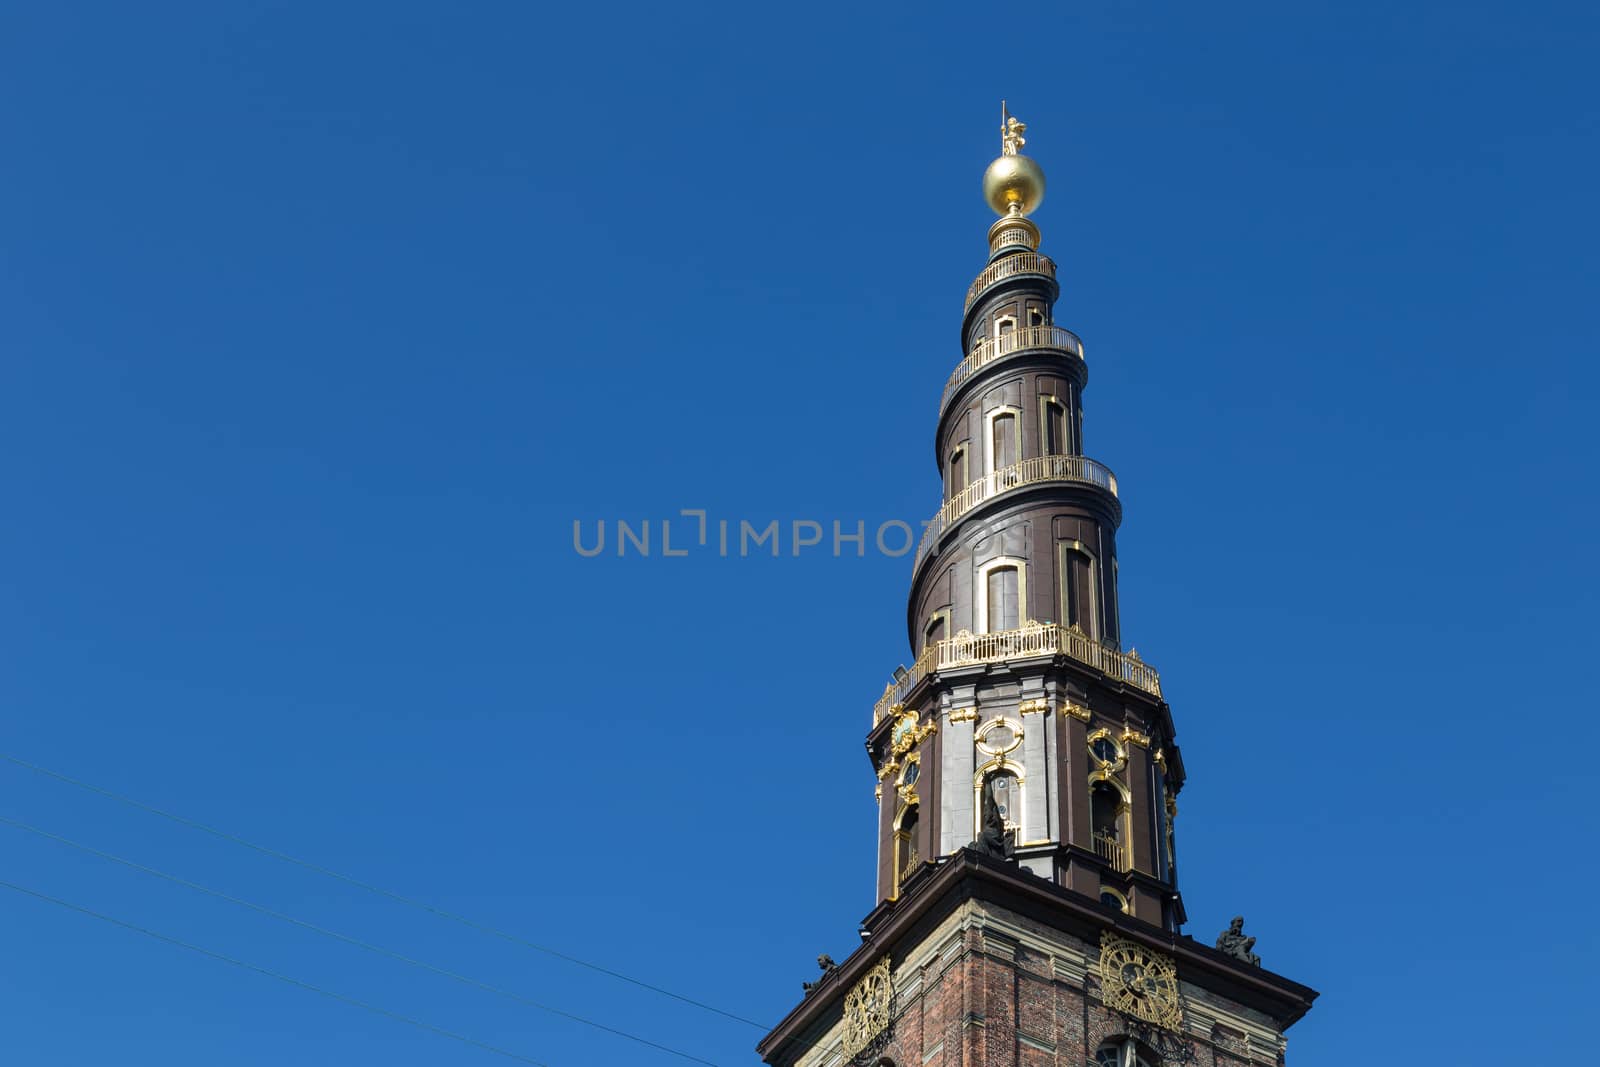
point(995, 840)
point(825, 962)
point(1233, 942)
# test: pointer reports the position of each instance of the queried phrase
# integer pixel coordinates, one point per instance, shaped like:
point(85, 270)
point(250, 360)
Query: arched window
point(905, 847)
point(956, 471)
point(1005, 438)
point(1005, 788)
point(938, 628)
point(1080, 602)
point(1125, 1052)
point(1052, 426)
point(1107, 809)
point(1002, 593)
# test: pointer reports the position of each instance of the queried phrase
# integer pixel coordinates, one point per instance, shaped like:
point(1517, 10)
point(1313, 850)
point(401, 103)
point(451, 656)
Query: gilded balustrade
point(1030, 471)
point(1009, 267)
point(1036, 639)
point(1109, 849)
point(1009, 343)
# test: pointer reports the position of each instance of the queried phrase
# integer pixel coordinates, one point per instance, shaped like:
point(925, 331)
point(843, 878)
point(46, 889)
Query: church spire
point(1027, 769)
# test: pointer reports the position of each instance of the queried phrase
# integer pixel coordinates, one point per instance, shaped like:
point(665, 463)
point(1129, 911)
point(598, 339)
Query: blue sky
point(321, 324)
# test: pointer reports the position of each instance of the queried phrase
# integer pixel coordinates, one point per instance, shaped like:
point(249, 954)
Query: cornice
point(933, 892)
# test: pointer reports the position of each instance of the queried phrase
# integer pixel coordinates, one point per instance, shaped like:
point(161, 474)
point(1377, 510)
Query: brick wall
point(990, 988)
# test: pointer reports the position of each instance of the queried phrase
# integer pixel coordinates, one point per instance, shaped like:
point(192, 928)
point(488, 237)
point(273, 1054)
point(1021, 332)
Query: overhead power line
point(390, 894)
point(356, 942)
point(330, 994)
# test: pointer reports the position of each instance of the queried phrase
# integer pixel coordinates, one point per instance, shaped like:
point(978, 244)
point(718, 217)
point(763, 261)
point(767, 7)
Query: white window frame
point(982, 591)
point(988, 433)
point(1065, 443)
point(963, 453)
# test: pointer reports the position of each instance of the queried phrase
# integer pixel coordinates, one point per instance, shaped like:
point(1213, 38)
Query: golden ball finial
point(1013, 184)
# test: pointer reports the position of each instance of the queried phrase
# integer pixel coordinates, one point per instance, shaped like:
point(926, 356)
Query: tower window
point(1053, 426)
point(905, 847)
point(937, 629)
point(1003, 610)
point(1002, 593)
point(1004, 325)
point(1035, 316)
point(1124, 1052)
point(1005, 438)
point(1079, 604)
point(1106, 810)
point(956, 471)
point(1112, 898)
point(1005, 788)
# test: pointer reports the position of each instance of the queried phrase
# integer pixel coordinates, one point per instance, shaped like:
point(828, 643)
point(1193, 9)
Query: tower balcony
point(1012, 266)
point(1035, 639)
point(1025, 339)
point(1033, 471)
point(1110, 849)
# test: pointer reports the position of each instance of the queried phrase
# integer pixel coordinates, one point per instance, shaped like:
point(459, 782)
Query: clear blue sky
point(320, 324)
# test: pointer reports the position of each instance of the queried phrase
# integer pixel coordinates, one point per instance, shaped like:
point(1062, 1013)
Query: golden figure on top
point(1013, 185)
point(1011, 131)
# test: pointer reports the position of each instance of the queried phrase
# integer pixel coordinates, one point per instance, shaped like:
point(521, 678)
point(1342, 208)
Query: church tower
point(1027, 770)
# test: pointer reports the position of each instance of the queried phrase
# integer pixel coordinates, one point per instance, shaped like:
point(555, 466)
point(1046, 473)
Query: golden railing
point(1009, 267)
point(1009, 343)
point(1109, 849)
point(1029, 472)
point(1035, 639)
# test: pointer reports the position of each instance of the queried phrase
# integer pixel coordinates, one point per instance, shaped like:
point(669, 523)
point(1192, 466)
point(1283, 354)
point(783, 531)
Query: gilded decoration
point(1108, 755)
point(1078, 711)
point(1130, 734)
point(1011, 131)
point(999, 736)
point(1033, 707)
point(868, 1010)
point(908, 734)
point(1140, 983)
point(1013, 184)
point(906, 786)
point(964, 715)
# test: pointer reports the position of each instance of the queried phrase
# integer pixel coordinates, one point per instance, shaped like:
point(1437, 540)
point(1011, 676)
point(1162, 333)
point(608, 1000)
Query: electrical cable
point(340, 997)
point(347, 939)
point(375, 889)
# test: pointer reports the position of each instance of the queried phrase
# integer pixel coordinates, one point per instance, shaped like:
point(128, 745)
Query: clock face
point(1139, 982)
point(868, 1009)
point(903, 730)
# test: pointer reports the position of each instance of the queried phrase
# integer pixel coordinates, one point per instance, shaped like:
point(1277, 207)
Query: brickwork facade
point(992, 988)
